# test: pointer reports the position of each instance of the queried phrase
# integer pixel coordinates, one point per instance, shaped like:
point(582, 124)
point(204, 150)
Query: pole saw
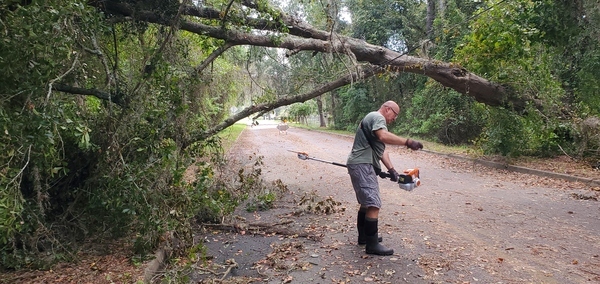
point(408, 180)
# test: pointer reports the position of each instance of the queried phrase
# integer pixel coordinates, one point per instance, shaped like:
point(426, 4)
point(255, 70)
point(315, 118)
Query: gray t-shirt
point(361, 150)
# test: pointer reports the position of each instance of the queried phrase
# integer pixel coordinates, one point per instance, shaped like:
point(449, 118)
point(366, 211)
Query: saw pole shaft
point(329, 162)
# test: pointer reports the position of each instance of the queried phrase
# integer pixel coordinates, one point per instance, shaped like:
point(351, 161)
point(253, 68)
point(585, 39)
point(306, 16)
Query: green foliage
point(46, 136)
point(451, 27)
point(507, 46)
point(356, 104)
point(443, 115)
point(261, 202)
point(300, 111)
point(572, 33)
point(531, 134)
point(497, 39)
point(78, 168)
point(588, 90)
point(587, 135)
point(387, 23)
point(505, 134)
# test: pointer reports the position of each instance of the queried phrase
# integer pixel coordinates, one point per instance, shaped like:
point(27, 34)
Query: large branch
point(448, 74)
point(361, 74)
point(302, 36)
point(117, 99)
point(212, 57)
point(292, 25)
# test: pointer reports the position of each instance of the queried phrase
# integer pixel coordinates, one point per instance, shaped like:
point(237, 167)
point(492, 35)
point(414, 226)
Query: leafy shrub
point(77, 168)
point(443, 115)
point(260, 195)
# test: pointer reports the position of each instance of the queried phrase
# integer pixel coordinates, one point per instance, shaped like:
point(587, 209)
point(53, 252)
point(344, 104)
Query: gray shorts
point(365, 185)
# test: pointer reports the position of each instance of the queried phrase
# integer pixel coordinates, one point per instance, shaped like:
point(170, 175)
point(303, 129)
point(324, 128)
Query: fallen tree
point(238, 24)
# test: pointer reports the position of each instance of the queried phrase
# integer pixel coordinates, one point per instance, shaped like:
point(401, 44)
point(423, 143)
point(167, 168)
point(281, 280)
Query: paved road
point(465, 224)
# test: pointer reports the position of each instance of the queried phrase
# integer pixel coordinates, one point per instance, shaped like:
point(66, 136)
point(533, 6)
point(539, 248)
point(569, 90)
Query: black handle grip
point(384, 175)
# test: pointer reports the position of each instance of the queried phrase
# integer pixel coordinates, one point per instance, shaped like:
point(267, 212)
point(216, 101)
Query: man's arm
point(385, 159)
point(392, 139)
point(389, 138)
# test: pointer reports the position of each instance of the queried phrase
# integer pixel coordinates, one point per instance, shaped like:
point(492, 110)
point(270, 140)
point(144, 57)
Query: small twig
point(60, 77)
point(271, 225)
point(98, 52)
point(232, 264)
point(261, 273)
point(564, 152)
point(22, 169)
point(225, 13)
point(206, 269)
point(212, 57)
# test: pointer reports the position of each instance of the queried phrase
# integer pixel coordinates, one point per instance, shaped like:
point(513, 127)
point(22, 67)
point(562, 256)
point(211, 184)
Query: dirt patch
point(104, 263)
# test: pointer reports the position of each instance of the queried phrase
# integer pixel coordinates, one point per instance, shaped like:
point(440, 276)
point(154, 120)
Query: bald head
point(389, 110)
point(391, 104)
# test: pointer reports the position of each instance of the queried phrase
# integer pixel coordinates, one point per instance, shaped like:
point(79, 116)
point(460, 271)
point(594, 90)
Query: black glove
point(393, 174)
point(413, 144)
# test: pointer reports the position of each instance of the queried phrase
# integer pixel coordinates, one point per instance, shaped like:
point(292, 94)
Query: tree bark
point(430, 18)
point(333, 112)
point(320, 111)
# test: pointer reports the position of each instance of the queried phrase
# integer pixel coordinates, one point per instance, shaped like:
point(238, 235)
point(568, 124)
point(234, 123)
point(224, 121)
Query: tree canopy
point(256, 23)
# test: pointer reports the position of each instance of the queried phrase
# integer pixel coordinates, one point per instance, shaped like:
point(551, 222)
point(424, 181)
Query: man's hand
point(413, 144)
point(393, 174)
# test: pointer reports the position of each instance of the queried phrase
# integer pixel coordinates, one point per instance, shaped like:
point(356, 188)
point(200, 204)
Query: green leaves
point(83, 133)
point(300, 111)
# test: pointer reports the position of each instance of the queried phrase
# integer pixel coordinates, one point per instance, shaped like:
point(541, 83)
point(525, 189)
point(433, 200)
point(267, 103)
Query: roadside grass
point(324, 129)
point(230, 134)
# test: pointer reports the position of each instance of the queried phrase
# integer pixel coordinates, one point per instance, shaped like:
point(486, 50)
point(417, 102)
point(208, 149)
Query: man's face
point(391, 113)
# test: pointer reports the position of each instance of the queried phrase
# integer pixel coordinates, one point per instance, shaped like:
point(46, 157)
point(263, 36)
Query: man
point(363, 166)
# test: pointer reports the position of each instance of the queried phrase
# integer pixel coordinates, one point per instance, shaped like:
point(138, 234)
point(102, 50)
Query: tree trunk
point(320, 110)
point(333, 109)
point(430, 18)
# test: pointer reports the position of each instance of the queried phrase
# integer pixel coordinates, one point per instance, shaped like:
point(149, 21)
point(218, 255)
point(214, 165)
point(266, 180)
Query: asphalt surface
point(467, 223)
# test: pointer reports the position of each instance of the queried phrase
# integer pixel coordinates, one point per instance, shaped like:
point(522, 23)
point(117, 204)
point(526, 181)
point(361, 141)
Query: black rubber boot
point(360, 225)
point(373, 246)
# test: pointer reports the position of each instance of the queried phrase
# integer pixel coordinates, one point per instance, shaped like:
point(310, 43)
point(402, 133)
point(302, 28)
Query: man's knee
point(372, 212)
